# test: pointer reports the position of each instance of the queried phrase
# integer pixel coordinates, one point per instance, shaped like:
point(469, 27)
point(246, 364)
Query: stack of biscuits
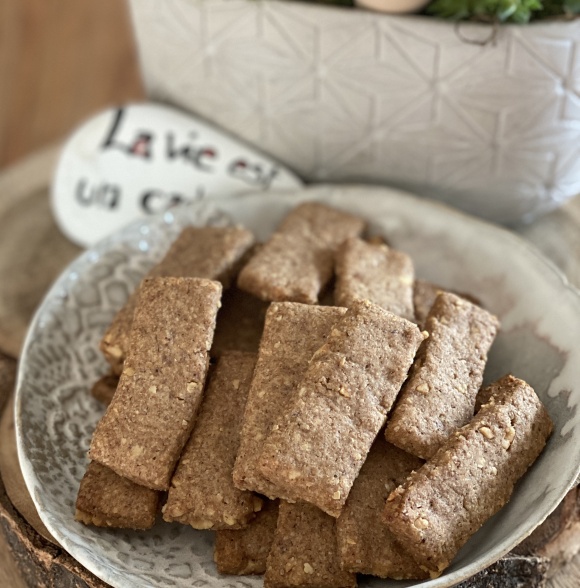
point(317, 440)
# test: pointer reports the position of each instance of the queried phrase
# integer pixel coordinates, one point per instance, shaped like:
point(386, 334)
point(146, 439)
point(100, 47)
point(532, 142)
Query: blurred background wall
point(60, 61)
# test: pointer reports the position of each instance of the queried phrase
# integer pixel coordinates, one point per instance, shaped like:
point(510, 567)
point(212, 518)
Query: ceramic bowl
point(55, 414)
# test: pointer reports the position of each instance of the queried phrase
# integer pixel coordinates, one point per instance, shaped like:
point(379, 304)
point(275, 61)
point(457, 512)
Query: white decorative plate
point(55, 415)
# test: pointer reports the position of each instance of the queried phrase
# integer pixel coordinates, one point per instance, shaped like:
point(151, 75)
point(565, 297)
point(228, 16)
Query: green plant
point(518, 11)
point(485, 10)
point(555, 8)
point(491, 11)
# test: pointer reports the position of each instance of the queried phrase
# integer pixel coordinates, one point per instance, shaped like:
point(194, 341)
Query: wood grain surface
point(60, 62)
point(9, 573)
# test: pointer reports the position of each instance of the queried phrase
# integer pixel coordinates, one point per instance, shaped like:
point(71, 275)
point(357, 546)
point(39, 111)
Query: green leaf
point(519, 11)
point(572, 6)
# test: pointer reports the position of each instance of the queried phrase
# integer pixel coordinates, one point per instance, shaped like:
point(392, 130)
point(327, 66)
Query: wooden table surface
point(59, 62)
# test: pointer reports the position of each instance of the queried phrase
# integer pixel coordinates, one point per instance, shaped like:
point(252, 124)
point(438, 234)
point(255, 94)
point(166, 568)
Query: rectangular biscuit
point(151, 415)
point(104, 388)
point(240, 323)
point(202, 493)
point(317, 447)
point(304, 551)
point(483, 396)
point(375, 272)
point(439, 396)
point(115, 341)
point(108, 500)
point(297, 261)
point(470, 478)
point(292, 333)
point(245, 551)
point(424, 295)
point(365, 545)
point(213, 253)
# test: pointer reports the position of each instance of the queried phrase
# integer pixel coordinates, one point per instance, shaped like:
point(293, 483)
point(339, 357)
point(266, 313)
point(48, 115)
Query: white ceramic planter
point(339, 94)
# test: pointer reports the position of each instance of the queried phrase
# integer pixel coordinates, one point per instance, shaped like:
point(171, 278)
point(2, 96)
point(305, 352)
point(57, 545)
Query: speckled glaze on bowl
point(55, 415)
